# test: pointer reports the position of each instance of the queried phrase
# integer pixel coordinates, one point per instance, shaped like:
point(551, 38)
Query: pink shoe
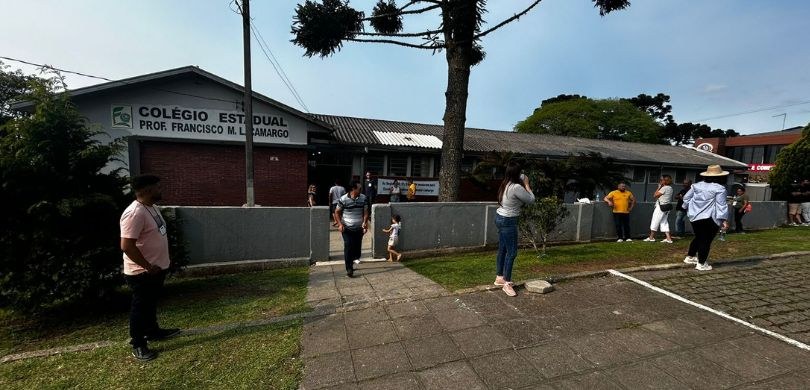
point(499, 281)
point(507, 288)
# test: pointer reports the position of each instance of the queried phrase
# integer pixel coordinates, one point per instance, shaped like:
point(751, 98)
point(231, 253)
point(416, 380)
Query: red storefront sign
point(760, 167)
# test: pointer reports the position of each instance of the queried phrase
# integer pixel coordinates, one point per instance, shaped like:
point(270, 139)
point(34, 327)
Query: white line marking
point(710, 310)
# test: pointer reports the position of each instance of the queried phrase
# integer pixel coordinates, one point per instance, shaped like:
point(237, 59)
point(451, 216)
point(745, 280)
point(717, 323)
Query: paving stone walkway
point(394, 329)
point(773, 294)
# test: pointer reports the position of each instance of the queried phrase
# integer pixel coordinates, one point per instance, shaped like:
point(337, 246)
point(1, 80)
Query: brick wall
point(214, 175)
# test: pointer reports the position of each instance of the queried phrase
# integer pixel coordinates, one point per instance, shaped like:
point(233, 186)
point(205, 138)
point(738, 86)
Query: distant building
point(758, 151)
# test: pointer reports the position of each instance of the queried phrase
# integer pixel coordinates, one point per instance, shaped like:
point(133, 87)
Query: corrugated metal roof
point(361, 131)
point(408, 139)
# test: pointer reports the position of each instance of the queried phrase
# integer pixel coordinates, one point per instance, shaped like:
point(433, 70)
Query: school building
point(186, 125)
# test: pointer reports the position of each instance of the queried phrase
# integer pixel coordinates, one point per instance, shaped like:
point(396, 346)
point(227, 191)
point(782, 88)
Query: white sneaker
point(620, 240)
point(668, 241)
point(690, 260)
point(648, 239)
point(357, 261)
point(628, 240)
point(703, 267)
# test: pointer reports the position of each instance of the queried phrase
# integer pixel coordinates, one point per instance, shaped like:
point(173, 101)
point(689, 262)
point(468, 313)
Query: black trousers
point(705, 230)
point(352, 243)
point(622, 222)
point(738, 216)
point(146, 289)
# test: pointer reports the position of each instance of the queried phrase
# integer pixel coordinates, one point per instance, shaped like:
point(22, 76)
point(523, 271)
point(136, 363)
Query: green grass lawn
point(265, 356)
point(473, 269)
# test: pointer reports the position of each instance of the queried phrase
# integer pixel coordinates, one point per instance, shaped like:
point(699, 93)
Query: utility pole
point(248, 104)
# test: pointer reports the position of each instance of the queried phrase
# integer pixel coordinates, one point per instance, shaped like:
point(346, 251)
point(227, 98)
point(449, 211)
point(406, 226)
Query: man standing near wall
point(352, 214)
point(335, 193)
point(622, 202)
point(146, 258)
point(680, 214)
point(370, 188)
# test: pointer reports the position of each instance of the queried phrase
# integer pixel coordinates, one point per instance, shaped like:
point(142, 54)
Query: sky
point(719, 60)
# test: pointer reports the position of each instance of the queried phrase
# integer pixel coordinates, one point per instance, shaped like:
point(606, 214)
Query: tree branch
point(403, 35)
point(513, 18)
point(402, 12)
point(393, 42)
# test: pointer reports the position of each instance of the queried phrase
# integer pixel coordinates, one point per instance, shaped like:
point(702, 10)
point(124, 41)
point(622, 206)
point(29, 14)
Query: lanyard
point(157, 217)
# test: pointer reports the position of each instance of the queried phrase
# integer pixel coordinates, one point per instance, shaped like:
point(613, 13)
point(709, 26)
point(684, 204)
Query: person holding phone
point(663, 205)
point(514, 193)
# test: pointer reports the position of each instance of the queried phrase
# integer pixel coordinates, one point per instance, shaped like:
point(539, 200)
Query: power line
point(116, 81)
point(279, 70)
point(753, 111)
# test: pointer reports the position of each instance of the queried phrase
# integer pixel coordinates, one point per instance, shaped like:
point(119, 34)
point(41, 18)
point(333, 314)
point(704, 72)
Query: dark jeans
point(680, 223)
point(352, 243)
point(622, 222)
point(507, 245)
point(738, 216)
point(146, 290)
point(705, 230)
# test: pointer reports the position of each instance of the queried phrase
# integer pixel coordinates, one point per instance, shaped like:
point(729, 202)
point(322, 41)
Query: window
point(397, 166)
point(680, 176)
point(773, 150)
point(638, 174)
point(736, 153)
point(467, 164)
point(759, 155)
point(655, 175)
point(747, 154)
point(420, 167)
point(375, 164)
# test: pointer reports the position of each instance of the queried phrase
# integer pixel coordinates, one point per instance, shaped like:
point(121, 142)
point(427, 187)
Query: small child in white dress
point(393, 238)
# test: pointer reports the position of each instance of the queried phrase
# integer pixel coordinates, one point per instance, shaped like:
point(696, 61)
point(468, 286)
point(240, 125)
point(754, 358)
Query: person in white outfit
point(663, 205)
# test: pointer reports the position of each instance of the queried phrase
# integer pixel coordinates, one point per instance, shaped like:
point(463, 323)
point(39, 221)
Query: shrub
point(59, 236)
point(792, 163)
point(539, 220)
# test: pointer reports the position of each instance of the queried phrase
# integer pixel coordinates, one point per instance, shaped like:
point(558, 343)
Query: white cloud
point(714, 88)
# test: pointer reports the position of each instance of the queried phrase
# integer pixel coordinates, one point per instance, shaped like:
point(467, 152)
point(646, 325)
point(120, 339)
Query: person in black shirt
point(680, 214)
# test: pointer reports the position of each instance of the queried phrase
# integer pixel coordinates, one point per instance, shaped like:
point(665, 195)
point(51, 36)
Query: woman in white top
point(394, 192)
point(512, 195)
point(706, 207)
point(663, 205)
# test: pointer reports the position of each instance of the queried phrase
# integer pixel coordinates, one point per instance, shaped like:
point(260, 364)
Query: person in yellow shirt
point(411, 190)
point(622, 202)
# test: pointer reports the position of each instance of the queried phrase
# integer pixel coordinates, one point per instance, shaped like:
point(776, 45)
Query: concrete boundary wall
point(438, 227)
point(246, 237)
point(221, 235)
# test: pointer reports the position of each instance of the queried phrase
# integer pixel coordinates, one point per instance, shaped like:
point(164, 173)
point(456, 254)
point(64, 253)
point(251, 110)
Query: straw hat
point(714, 170)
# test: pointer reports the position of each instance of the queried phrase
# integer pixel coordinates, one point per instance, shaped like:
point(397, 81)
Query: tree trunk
point(459, 22)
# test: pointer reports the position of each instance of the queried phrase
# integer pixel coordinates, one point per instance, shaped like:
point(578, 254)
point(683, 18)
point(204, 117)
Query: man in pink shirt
point(146, 258)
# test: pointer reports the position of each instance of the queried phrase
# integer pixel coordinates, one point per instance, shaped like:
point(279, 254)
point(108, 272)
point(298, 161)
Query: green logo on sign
point(122, 117)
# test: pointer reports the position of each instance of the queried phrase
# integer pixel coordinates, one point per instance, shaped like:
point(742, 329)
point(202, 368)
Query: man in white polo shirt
point(146, 259)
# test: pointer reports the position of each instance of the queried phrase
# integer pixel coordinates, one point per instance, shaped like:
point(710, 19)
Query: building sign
point(201, 124)
point(706, 147)
point(760, 167)
point(423, 187)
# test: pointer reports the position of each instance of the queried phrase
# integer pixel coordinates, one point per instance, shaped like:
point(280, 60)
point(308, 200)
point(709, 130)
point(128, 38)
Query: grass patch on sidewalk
point(473, 269)
point(186, 303)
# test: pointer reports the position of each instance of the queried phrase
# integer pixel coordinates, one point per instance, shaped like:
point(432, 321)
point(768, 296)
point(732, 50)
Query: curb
point(656, 267)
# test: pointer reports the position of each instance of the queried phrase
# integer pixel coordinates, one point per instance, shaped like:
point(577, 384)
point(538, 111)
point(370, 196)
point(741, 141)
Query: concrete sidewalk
point(394, 329)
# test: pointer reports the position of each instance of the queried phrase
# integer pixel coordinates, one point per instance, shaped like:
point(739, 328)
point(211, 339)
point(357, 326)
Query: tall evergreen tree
point(322, 27)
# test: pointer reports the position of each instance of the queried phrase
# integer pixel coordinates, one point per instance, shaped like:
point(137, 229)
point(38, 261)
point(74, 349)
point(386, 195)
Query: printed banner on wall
point(423, 187)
